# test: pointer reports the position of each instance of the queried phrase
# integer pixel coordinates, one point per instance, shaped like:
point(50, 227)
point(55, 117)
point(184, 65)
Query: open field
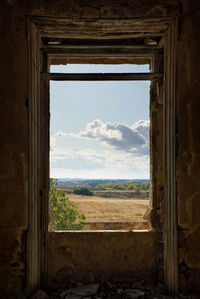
point(98, 209)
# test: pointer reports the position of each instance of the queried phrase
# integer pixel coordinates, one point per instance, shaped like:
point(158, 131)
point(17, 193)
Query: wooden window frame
point(39, 59)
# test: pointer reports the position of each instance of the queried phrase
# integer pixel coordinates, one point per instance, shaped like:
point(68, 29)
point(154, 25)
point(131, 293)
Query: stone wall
point(14, 131)
point(188, 146)
point(13, 264)
point(13, 151)
point(87, 257)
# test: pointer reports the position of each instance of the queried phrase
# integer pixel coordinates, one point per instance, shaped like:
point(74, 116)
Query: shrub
point(83, 191)
point(64, 213)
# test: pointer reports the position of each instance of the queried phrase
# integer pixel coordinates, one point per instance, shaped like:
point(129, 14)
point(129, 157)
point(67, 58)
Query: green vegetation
point(126, 186)
point(64, 213)
point(139, 214)
point(83, 191)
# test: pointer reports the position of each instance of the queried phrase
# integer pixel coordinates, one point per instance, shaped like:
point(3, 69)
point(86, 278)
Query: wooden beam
point(104, 77)
point(170, 216)
point(102, 51)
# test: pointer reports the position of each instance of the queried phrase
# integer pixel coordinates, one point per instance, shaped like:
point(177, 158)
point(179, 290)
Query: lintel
point(103, 76)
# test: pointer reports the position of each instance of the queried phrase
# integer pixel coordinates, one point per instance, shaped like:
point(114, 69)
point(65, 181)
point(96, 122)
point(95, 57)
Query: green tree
point(83, 191)
point(131, 186)
point(65, 214)
point(145, 186)
point(137, 187)
point(101, 186)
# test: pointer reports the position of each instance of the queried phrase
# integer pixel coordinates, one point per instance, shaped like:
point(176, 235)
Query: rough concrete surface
point(87, 257)
point(14, 136)
point(188, 148)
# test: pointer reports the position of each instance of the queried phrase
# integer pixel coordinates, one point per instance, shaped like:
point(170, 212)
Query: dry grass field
point(98, 209)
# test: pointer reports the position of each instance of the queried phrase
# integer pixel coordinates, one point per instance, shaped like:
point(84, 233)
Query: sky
point(99, 130)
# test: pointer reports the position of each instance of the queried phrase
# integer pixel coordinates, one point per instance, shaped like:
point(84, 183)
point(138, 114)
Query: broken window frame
point(39, 59)
point(147, 76)
point(155, 78)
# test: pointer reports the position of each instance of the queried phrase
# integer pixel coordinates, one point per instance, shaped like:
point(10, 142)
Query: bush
point(64, 213)
point(83, 191)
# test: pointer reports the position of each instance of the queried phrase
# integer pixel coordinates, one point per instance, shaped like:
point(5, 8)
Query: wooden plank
point(33, 235)
point(170, 220)
point(98, 34)
point(102, 58)
point(106, 59)
point(102, 28)
point(49, 48)
point(44, 170)
point(104, 77)
point(65, 43)
point(102, 51)
point(53, 24)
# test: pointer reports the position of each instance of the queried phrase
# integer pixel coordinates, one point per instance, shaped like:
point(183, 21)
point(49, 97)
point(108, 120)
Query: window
point(162, 111)
point(99, 148)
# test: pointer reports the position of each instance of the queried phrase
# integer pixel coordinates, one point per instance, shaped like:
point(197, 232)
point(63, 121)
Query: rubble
point(134, 293)
point(109, 290)
point(80, 292)
point(39, 294)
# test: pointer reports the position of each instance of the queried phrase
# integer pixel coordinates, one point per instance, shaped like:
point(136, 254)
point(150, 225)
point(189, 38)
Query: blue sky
point(99, 129)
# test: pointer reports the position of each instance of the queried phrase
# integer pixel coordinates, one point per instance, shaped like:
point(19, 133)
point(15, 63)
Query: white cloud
point(52, 142)
point(99, 173)
point(55, 137)
point(60, 134)
point(142, 126)
point(70, 156)
point(118, 135)
point(92, 164)
point(126, 154)
point(98, 130)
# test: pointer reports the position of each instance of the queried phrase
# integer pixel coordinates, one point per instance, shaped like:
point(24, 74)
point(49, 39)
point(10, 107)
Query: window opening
point(99, 68)
point(99, 150)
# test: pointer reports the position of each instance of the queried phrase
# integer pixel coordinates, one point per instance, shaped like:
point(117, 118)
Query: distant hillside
point(77, 182)
point(72, 184)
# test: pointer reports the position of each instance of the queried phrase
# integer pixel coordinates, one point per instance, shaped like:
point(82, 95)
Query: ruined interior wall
point(14, 129)
point(13, 152)
point(13, 263)
point(87, 257)
point(188, 147)
point(14, 114)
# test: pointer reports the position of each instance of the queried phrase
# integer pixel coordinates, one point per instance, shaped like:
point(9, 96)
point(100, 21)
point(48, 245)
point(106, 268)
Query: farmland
point(108, 205)
point(111, 206)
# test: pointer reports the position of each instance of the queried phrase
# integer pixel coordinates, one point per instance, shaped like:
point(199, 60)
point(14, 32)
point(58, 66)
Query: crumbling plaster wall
point(87, 257)
point(188, 146)
point(13, 152)
point(14, 125)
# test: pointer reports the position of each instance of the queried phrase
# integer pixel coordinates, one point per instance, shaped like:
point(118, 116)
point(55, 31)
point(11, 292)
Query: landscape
point(108, 204)
point(99, 150)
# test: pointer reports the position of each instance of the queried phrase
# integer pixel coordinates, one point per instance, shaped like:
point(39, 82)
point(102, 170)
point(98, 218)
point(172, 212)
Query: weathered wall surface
point(14, 130)
point(13, 152)
point(188, 146)
point(13, 266)
point(99, 256)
